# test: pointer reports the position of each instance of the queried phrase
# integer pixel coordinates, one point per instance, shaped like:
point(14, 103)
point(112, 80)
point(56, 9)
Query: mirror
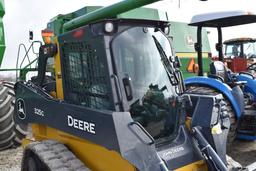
point(177, 62)
point(128, 87)
point(31, 35)
point(197, 47)
point(218, 46)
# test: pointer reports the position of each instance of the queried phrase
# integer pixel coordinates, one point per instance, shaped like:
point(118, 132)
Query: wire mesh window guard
point(86, 76)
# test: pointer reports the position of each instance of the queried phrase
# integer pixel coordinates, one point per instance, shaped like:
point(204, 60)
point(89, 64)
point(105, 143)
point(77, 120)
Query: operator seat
point(218, 69)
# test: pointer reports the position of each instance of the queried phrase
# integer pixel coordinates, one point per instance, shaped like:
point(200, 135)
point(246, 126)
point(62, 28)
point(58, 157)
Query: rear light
point(78, 33)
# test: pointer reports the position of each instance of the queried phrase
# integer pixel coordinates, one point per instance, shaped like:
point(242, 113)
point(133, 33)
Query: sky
point(24, 15)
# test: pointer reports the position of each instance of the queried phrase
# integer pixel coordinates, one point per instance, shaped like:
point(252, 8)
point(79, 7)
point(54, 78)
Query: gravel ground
point(244, 153)
point(10, 160)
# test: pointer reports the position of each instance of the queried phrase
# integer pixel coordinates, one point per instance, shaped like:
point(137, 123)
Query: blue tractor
point(239, 89)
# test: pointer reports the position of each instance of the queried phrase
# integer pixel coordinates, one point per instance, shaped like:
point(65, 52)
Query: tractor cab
point(243, 47)
point(240, 53)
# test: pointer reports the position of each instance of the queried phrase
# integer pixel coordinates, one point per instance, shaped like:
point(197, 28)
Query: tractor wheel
point(50, 155)
point(11, 134)
point(211, 91)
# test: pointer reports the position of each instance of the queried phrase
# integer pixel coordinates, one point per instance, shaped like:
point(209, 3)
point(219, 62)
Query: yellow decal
point(216, 129)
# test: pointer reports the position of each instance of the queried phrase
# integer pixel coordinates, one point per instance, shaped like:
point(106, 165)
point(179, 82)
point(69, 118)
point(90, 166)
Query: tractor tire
point(233, 122)
point(11, 134)
point(50, 155)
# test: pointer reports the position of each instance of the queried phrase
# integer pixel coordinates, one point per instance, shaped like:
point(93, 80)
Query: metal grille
point(85, 73)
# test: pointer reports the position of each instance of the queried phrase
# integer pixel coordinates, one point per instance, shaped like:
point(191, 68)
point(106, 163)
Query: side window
point(50, 67)
point(85, 77)
point(249, 50)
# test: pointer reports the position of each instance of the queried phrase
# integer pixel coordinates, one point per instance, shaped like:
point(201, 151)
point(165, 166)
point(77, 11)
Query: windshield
point(249, 50)
point(233, 50)
point(245, 50)
point(142, 55)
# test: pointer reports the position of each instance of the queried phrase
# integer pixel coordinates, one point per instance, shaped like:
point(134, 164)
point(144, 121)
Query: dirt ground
point(10, 160)
point(243, 152)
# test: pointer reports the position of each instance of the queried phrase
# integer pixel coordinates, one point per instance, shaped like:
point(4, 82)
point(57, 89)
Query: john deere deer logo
point(189, 40)
point(21, 110)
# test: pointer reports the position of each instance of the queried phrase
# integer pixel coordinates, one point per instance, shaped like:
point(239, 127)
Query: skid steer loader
point(115, 101)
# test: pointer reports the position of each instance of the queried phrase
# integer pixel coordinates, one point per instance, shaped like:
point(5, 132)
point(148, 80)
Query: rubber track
point(54, 156)
point(211, 91)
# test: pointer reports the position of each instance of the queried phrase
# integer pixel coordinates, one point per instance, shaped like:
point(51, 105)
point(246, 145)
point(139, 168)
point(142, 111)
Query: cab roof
point(223, 19)
point(240, 39)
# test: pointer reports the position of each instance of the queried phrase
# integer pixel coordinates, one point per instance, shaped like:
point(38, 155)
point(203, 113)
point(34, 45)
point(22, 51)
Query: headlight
point(167, 30)
point(109, 27)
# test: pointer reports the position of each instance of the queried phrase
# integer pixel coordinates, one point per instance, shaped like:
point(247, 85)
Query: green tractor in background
point(2, 40)
point(184, 38)
point(11, 134)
